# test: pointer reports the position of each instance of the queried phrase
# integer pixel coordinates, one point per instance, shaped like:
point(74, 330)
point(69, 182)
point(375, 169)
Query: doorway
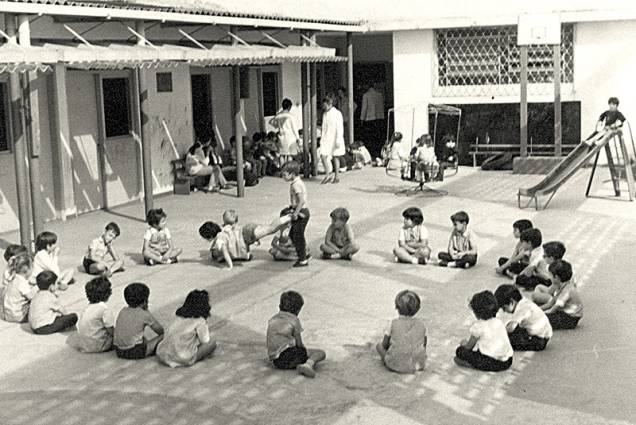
point(202, 117)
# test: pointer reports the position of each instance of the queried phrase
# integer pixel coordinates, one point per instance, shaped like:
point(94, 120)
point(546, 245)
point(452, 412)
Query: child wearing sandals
point(339, 240)
point(95, 261)
point(232, 242)
point(520, 257)
point(285, 348)
point(95, 327)
point(158, 247)
point(132, 321)
point(403, 348)
point(413, 239)
point(488, 347)
point(462, 245)
point(187, 340)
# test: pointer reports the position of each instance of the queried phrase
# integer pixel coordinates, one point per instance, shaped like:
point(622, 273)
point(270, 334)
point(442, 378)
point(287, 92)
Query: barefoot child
point(285, 348)
point(95, 261)
point(519, 258)
point(132, 321)
point(300, 208)
point(488, 347)
point(339, 240)
point(403, 348)
point(462, 245)
point(158, 248)
point(46, 314)
point(187, 340)
point(232, 242)
point(565, 309)
point(46, 258)
point(413, 240)
point(95, 327)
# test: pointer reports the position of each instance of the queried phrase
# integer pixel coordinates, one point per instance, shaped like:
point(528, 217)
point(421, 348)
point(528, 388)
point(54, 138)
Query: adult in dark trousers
point(372, 117)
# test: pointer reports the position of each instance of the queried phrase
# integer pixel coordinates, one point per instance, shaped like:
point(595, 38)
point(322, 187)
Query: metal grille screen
point(486, 61)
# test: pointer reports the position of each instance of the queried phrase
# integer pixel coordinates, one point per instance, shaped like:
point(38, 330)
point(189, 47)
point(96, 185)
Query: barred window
point(490, 56)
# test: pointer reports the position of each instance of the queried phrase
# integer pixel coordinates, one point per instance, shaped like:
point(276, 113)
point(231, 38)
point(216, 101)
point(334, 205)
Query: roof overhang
point(107, 12)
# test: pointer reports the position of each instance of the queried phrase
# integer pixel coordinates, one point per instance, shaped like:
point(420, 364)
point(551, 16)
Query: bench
point(183, 182)
point(489, 149)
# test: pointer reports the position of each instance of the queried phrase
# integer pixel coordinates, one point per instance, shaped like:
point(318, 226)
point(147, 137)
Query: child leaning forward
point(339, 240)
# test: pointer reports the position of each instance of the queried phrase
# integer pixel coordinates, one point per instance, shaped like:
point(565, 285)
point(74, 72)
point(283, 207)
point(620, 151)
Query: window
point(270, 93)
point(4, 118)
point(116, 107)
point(164, 82)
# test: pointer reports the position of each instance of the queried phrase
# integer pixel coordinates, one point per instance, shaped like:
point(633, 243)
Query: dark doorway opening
point(364, 75)
point(202, 107)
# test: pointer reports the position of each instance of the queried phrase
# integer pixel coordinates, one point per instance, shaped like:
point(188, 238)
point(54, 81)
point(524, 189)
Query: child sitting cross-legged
point(46, 314)
point(187, 340)
point(285, 348)
point(19, 291)
point(339, 240)
point(158, 247)
point(95, 327)
point(132, 321)
point(536, 274)
point(564, 309)
point(519, 259)
point(47, 257)
point(95, 261)
point(543, 293)
point(462, 245)
point(10, 252)
point(232, 242)
point(528, 328)
point(488, 347)
point(403, 348)
point(413, 240)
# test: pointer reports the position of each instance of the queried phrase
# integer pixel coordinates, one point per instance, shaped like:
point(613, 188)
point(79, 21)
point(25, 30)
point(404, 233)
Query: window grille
point(486, 61)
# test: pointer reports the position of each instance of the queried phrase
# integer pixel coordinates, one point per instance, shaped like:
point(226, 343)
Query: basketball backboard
point(542, 29)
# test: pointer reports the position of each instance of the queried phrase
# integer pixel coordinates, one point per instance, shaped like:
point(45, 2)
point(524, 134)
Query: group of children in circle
point(506, 319)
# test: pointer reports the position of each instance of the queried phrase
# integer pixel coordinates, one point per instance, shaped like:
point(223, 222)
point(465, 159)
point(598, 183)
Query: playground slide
point(580, 156)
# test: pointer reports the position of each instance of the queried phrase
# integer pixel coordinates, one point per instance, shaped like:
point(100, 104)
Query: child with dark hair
point(393, 155)
point(403, 348)
point(129, 339)
point(285, 348)
point(232, 242)
point(519, 258)
point(528, 328)
point(612, 119)
point(46, 314)
point(95, 327)
point(13, 250)
point(300, 211)
point(187, 340)
point(537, 271)
point(543, 293)
point(47, 257)
point(19, 291)
point(10, 252)
point(462, 245)
point(282, 247)
point(285, 124)
point(158, 247)
point(95, 261)
point(339, 240)
point(565, 309)
point(413, 239)
point(488, 347)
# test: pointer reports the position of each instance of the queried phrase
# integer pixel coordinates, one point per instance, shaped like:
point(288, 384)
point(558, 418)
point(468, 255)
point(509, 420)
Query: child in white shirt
point(12, 250)
point(462, 245)
point(413, 240)
point(96, 324)
point(95, 261)
point(158, 247)
point(565, 309)
point(19, 291)
point(46, 314)
point(47, 258)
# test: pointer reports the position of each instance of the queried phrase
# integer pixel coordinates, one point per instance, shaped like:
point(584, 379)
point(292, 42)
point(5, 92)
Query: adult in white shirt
point(332, 143)
point(372, 117)
point(288, 137)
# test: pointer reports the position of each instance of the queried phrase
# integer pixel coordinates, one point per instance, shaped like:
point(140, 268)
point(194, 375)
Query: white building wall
point(290, 87)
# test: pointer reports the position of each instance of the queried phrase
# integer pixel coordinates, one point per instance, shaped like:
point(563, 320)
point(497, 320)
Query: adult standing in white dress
point(288, 138)
point(332, 143)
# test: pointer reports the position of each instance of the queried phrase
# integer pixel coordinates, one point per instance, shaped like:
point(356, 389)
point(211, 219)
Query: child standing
point(529, 328)
point(158, 248)
point(46, 258)
point(413, 239)
point(285, 348)
point(129, 340)
point(462, 245)
point(519, 258)
point(232, 242)
point(95, 261)
point(488, 347)
point(339, 240)
point(300, 215)
point(403, 348)
point(95, 327)
point(187, 339)
point(19, 291)
point(565, 309)
point(46, 314)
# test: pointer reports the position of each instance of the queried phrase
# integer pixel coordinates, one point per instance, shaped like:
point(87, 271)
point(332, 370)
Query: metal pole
point(314, 118)
point(32, 126)
point(238, 124)
point(305, 97)
point(19, 144)
point(146, 146)
point(523, 107)
point(350, 124)
point(556, 57)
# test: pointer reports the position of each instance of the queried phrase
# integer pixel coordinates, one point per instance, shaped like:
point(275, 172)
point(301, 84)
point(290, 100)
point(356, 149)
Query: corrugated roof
point(330, 12)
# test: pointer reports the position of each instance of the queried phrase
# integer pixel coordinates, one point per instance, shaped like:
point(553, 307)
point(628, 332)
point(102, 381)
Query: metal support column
point(556, 57)
point(350, 126)
point(523, 111)
point(19, 144)
point(238, 123)
point(146, 144)
point(305, 97)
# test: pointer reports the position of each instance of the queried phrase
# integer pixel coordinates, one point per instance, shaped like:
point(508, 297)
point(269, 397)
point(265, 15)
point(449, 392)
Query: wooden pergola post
point(556, 57)
point(142, 106)
point(305, 98)
point(350, 123)
point(313, 81)
point(523, 107)
point(19, 144)
point(237, 124)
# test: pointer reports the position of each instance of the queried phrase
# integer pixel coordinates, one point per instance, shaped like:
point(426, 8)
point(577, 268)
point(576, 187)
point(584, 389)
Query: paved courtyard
point(585, 376)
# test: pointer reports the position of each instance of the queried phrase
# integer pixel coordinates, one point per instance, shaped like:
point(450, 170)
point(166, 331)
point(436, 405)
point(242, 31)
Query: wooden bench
point(489, 149)
point(183, 182)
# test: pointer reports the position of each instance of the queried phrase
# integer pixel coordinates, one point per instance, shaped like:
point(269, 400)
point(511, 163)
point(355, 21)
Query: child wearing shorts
point(95, 261)
point(158, 247)
point(413, 239)
point(462, 245)
point(339, 240)
point(46, 314)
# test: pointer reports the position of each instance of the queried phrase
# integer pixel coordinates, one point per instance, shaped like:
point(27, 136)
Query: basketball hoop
point(541, 29)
